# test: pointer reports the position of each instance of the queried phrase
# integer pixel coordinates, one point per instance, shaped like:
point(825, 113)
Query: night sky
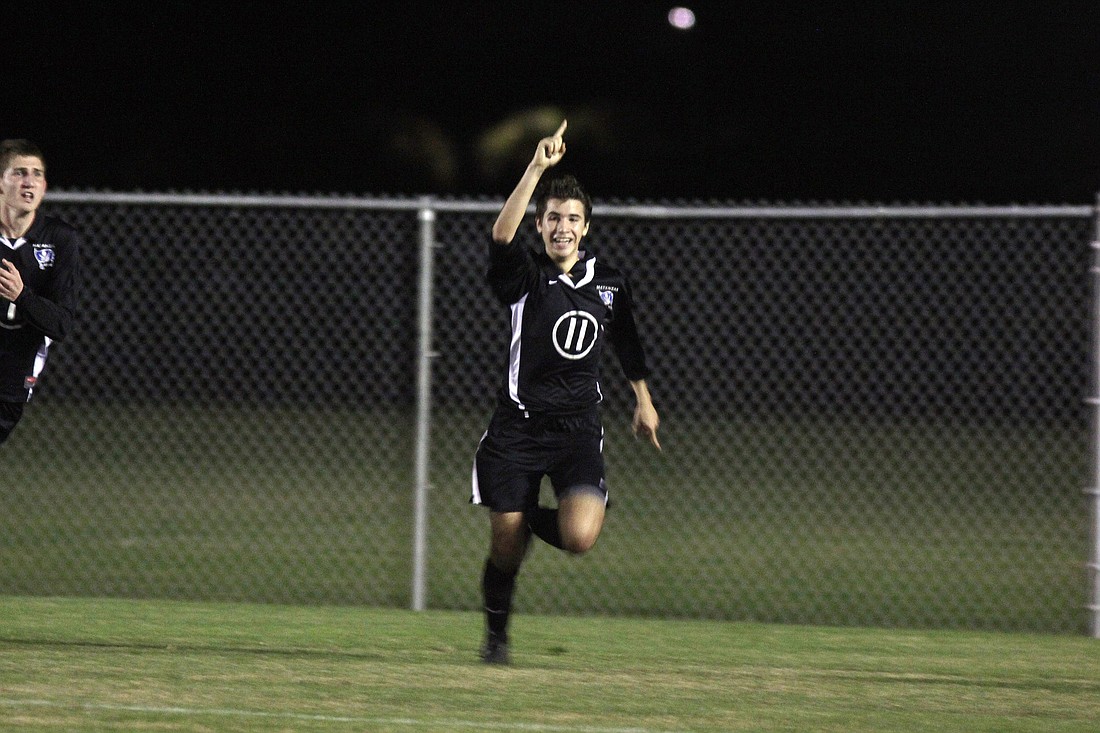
point(916, 102)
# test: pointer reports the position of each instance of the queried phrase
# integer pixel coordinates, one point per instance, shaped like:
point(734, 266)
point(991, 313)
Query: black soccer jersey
point(559, 326)
point(48, 260)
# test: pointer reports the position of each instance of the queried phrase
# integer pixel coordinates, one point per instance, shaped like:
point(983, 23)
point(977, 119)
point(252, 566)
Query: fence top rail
point(641, 211)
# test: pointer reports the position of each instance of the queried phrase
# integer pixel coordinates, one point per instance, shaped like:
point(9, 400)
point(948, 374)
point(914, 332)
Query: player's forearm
point(646, 420)
point(515, 208)
point(53, 319)
point(641, 392)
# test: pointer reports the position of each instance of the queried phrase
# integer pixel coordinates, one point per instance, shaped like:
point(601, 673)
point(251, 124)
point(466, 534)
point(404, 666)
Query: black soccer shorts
point(517, 451)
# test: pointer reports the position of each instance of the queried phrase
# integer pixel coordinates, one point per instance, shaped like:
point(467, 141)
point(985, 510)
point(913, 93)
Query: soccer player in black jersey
point(564, 306)
point(39, 274)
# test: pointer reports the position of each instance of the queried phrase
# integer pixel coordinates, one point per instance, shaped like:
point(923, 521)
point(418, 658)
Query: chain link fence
point(871, 416)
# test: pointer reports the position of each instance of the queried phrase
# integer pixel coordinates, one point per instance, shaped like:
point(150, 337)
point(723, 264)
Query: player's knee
point(508, 545)
point(579, 538)
point(581, 516)
point(508, 554)
point(578, 544)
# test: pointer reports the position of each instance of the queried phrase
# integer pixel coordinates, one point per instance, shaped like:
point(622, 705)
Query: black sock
point(497, 588)
point(543, 522)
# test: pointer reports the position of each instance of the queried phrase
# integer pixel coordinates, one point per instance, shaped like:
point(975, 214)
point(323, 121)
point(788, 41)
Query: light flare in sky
point(681, 18)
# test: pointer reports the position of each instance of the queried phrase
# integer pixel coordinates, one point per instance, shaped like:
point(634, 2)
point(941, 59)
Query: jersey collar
point(581, 274)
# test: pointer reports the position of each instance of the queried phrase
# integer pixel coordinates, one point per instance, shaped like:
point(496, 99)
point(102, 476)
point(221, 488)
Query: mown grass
point(121, 665)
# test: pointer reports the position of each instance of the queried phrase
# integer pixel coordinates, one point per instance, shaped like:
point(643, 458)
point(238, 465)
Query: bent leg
point(580, 518)
point(543, 521)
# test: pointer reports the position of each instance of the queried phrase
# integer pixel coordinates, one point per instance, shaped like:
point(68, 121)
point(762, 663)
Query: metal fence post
point(1094, 400)
point(426, 216)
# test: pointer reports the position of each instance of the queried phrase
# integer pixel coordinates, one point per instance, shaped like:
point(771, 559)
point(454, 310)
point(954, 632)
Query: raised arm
point(549, 151)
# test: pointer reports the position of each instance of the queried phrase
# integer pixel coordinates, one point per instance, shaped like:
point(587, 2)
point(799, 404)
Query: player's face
point(562, 227)
point(23, 183)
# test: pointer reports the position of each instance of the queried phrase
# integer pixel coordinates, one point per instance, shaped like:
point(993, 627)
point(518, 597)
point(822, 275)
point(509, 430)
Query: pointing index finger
point(561, 129)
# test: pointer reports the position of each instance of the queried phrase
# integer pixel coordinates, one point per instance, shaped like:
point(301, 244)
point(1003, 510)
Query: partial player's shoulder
point(514, 251)
point(54, 230)
point(605, 272)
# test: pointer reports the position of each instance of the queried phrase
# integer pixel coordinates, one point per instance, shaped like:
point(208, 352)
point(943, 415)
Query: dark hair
point(563, 188)
point(14, 148)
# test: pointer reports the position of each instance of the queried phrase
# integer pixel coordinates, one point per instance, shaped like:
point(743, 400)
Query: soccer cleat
point(495, 650)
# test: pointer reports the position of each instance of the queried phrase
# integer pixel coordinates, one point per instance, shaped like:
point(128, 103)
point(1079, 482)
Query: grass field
point(122, 665)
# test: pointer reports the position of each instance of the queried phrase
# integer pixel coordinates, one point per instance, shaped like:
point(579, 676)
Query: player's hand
point(11, 282)
point(645, 424)
point(550, 149)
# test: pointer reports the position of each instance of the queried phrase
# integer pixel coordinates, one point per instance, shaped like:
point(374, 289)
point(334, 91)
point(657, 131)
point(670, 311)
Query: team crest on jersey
point(44, 255)
point(607, 294)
